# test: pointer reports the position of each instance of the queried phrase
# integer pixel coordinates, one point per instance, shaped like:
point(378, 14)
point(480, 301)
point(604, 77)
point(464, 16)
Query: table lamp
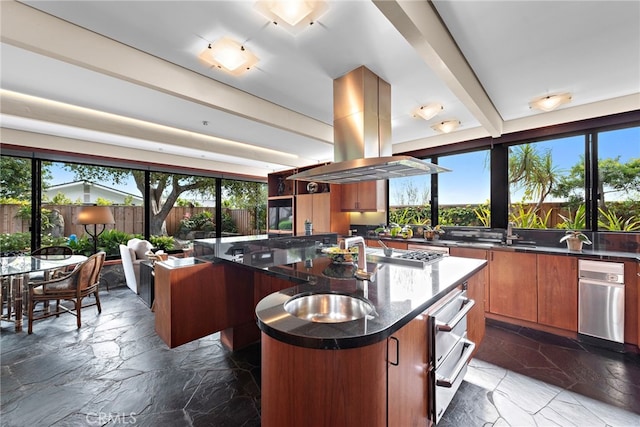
point(95, 215)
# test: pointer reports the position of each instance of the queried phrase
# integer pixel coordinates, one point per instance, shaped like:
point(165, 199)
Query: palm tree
point(533, 172)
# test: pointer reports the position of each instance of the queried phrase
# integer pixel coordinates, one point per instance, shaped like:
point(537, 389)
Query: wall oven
point(450, 350)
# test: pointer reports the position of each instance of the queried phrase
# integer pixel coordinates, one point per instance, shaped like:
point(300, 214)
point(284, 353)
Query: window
point(410, 200)
point(244, 207)
point(619, 180)
point(546, 184)
point(464, 193)
point(15, 204)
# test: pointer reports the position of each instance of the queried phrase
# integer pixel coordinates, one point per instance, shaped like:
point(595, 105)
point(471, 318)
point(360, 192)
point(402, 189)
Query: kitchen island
point(367, 371)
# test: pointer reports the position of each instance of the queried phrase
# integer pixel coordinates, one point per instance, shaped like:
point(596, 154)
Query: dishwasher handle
point(464, 359)
point(448, 326)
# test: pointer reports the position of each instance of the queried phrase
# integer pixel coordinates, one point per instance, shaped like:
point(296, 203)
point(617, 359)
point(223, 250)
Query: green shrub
point(15, 242)
point(285, 225)
point(166, 243)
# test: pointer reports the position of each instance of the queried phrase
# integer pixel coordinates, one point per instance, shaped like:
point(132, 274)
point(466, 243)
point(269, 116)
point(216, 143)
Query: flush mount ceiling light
point(229, 55)
point(293, 15)
point(446, 126)
point(428, 112)
point(550, 102)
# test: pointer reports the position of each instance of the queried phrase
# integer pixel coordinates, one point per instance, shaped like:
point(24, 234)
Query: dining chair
point(80, 283)
point(50, 252)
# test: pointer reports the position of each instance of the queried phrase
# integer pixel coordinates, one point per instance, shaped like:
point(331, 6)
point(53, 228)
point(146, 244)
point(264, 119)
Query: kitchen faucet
point(362, 251)
point(510, 236)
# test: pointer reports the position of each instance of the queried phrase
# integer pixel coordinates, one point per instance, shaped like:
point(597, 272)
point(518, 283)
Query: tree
point(15, 177)
point(248, 195)
point(533, 172)
point(614, 177)
point(165, 187)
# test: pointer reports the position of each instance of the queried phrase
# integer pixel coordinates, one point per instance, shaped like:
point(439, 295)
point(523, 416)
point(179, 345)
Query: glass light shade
point(95, 215)
point(446, 126)
point(293, 15)
point(229, 55)
point(550, 102)
point(428, 112)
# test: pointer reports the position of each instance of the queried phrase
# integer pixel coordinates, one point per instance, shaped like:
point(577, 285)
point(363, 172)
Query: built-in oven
point(450, 350)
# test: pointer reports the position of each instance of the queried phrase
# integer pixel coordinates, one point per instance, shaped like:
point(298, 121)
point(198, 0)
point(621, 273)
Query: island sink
point(328, 307)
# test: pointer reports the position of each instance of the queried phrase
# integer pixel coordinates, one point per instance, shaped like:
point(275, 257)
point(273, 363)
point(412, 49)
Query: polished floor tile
point(115, 370)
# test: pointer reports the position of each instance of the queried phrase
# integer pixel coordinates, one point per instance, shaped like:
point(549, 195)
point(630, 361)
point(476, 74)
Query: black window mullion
point(434, 195)
point(595, 196)
point(36, 204)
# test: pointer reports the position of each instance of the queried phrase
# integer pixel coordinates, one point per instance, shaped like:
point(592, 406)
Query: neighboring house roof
point(68, 186)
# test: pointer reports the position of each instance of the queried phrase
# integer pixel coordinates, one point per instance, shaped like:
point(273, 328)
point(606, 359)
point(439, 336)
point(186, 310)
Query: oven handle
point(448, 327)
point(466, 356)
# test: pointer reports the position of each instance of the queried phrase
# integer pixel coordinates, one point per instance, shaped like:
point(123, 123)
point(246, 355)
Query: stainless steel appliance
point(601, 302)
point(450, 350)
point(412, 258)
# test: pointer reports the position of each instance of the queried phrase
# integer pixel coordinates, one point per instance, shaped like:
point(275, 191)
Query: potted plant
point(575, 239)
point(431, 233)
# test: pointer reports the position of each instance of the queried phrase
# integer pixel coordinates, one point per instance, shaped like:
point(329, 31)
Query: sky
point(468, 183)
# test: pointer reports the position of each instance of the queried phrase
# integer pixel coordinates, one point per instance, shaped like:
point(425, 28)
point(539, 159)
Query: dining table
point(15, 272)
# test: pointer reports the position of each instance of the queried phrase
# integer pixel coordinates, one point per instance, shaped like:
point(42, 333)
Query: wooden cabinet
point(368, 196)
point(323, 210)
point(513, 289)
point(329, 387)
point(557, 278)
point(185, 302)
point(395, 244)
point(408, 374)
point(477, 290)
point(483, 276)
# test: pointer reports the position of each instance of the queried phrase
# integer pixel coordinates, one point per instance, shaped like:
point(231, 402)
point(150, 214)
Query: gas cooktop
point(412, 258)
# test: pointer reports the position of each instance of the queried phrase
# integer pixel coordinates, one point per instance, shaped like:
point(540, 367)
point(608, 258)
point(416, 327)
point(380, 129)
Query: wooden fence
point(129, 219)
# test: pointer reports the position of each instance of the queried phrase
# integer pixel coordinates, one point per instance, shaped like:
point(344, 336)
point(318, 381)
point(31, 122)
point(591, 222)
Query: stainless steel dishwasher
point(601, 303)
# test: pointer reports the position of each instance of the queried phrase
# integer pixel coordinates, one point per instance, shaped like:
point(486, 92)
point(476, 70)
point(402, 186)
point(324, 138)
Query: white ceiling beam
point(420, 25)
point(30, 29)
point(15, 104)
point(42, 141)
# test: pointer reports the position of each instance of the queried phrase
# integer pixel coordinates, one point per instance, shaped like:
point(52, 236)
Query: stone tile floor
point(115, 370)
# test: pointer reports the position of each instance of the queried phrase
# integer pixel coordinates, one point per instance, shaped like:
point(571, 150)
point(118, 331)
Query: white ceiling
point(138, 59)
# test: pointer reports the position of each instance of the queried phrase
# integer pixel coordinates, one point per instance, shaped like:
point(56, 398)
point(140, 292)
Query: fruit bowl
point(342, 256)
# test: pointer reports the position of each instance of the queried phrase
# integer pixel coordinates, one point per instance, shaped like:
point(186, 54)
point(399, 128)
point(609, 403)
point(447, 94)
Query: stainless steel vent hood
point(362, 135)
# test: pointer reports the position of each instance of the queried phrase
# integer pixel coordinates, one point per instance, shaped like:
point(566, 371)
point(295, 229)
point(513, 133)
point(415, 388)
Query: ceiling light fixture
point(428, 112)
point(446, 126)
point(550, 102)
point(229, 55)
point(293, 15)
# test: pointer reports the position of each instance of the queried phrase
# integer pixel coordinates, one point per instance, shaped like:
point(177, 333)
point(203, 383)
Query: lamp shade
point(95, 215)
point(446, 126)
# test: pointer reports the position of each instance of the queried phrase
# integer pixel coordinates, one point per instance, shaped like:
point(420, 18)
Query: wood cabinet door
point(408, 374)
point(304, 211)
point(349, 197)
point(321, 213)
point(558, 291)
point(513, 287)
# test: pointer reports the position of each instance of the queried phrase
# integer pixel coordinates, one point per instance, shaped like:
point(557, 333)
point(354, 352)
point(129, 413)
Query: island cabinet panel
point(483, 277)
point(408, 372)
point(513, 290)
point(265, 284)
point(631, 301)
point(558, 291)
point(187, 302)
point(310, 387)
point(368, 196)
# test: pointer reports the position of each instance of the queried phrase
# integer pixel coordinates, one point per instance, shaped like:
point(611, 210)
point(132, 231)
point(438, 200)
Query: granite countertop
point(522, 247)
point(398, 293)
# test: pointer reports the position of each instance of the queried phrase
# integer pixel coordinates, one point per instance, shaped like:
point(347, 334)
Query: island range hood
point(362, 135)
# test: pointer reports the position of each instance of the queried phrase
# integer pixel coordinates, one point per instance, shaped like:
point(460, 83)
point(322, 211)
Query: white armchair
point(132, 254)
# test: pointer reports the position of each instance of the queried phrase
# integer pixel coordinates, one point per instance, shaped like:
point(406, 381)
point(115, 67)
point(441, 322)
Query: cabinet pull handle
point(397, 362)
point(464, 359)
point(448, 327)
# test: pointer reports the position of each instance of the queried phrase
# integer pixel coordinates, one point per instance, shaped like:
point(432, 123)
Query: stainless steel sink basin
point(328, 308)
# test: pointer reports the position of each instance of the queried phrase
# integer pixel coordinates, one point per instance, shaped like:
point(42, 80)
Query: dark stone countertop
point(398, 293)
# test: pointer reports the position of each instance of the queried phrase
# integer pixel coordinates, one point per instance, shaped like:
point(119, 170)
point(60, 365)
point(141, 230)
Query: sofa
point(134, 252)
